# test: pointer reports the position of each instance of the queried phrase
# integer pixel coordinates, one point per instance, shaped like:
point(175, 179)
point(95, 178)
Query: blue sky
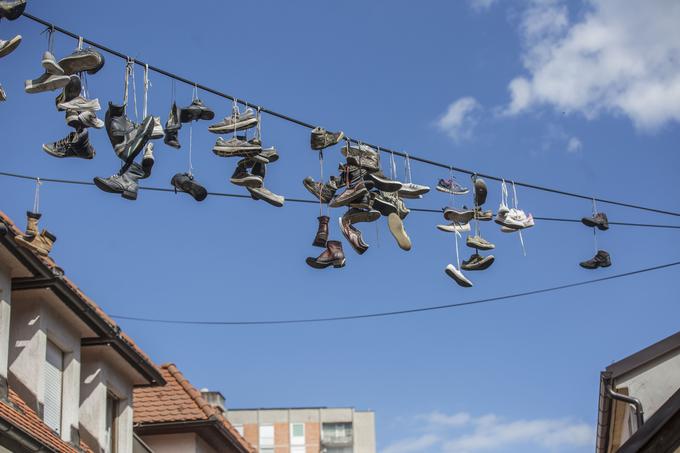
point(571, 95)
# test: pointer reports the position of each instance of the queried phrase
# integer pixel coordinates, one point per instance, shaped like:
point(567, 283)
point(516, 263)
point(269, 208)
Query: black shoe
point(241, 177)
point(76, 144)
point(185, 182)
point(117, 124)
point(477, 262)
point(173, 123)
point(12, 9)
point(196, 111)
point(124, 184)
point(601, 259)
point(599, 220)
point(82, 60)
point(70, 91)
point(384, 204)
point(134, 143)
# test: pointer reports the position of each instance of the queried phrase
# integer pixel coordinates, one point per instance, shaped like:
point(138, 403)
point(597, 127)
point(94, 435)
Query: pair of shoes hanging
point(333, 255)
point(602, 258)
point(34, 240)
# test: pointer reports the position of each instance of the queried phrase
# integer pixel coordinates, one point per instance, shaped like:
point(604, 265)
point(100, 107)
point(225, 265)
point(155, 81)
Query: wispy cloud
point(481, 5)
point(574, 145)
point(460, 119)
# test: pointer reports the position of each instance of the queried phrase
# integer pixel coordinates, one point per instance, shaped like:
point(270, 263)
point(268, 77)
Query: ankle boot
point(32, 223)
point(332, 256)
point(322, 232)
point(39, 243)
point(124, 184)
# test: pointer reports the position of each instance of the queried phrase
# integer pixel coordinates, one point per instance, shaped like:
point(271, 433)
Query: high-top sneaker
point(134, 142)
point(7, 47)
point(12, 9)
point(76, 144)
point(353, 236)
point(124, 184)
point(601, 259)
point(362, 156)
point(148, 160)
point(332, 256)
point(39, 243)
point(185, 182)
point(172, 127)
point(117, 123)
point(321, 138)
point(196, 111)
point(157, 129)
point(322, 232)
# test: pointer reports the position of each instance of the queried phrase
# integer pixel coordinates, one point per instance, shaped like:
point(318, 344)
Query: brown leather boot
point(332, 256)
point(39, 243)
point(352, 235)
point(322, 232)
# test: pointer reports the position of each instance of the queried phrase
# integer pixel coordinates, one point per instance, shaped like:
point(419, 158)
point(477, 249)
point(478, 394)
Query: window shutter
point(54, 366)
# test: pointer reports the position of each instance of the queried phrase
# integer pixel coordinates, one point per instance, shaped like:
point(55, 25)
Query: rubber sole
point(74, 64)
point(53, 85)
point(239, 126)
point(11, 45)
point(253, 182)
point(461, 217)
point(396, 226)
point(235, 152)
point(386, 185)
point(457, 276)
point(485, 265)
point(316, 265)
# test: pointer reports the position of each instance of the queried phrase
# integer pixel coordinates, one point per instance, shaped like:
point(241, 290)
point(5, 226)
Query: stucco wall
point(5, 313)
point(172, 443)
point(364, 432)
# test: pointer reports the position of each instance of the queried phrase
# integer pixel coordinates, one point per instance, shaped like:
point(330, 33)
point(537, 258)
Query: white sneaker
point(80, 104)
point(157, 129)
point(458, 276)
point(529, 222)
point(454, 227)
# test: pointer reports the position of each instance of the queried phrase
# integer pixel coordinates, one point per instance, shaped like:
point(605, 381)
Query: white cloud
point(574, 145)
point(460, 118)
point(619, 57)
point(481, 5)
point(463, 433)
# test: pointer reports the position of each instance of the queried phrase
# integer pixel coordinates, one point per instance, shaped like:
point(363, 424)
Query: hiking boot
point(410, 190)
point(81, 120)
point(332, 256)
point(75, 144)
point(362, 157)
point(124, 184)
point(477, 262)
point(7, 47)
point(480, 191)
point(321, 138)
point(396, 226)
point(134, 142)
point(262, 193)
point(348, 195)
point(12, 9)
point(50, 64)
point(385, 204)
point(384, 183)
point(599, 220)
point(235, 147)
point(196, 111)
point(70, 91)
point(46, 82)
point(157, 131)
point(601, 259)
point(483, 215)
point(322, 232)
point(461, 216)
point(185, 182)
point(323, 191)
point(236, 122)
point(458, 276)
point(478, 242)
point(353, 236)
point(354, 215)
point(454, 228)
point(80, 104)
point(451, 186)
point(148, 159)
point(82, 60)
point(241, 177)
point(38, 243)
point(118, 125)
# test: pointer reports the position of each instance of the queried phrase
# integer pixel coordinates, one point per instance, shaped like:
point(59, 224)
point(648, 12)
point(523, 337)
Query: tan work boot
point(39, 243)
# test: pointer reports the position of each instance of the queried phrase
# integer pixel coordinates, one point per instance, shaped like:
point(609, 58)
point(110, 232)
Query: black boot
point(117, 124)
point(601, 259)
point(124, 184)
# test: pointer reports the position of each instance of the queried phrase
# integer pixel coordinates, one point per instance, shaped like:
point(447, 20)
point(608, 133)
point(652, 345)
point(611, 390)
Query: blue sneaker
point(451, 186)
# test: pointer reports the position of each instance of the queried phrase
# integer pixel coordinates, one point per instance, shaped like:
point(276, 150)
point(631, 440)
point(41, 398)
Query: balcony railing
point(336, 440)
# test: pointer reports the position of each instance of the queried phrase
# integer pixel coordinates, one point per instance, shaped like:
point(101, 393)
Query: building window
point(297, 435)
point(239, 429)
point(336, 433)
point(111, 422)
point(54, 373)
point(266, 438)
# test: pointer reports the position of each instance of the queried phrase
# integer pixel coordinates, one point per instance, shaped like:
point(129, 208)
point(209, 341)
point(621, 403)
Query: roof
point(646, 355)
point(178, 401)
point(18, 414)
point(660, 432)
point(47, 268)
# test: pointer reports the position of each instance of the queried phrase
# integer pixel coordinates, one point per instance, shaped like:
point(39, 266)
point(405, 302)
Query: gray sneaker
point(265, 194)
point(411, 190)
point(362, 156)
point(235, 122)
point(235, 147)
point(354, 215)
point(79, 120)
point(7, 47)
point(477, 262)
point(461, 216)
point(321, 138)
point(50, 64)
point(46, 82)
point(82, 60)
point(80, 104)
point(478, 242)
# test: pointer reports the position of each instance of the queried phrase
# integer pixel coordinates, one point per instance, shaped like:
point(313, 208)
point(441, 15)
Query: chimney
point(214, 398)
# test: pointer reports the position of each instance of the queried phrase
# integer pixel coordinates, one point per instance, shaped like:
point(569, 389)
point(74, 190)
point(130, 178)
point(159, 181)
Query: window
point(266, 439)
point(239, 429)
point(111, 421)
point(54, 370)
point(297, 433)
point(337, 432)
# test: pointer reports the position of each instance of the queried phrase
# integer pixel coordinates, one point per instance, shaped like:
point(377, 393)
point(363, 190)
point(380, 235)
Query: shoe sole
point(454, 192)
point(386, 185)
point(316, 265)
point(465, 283)
point(240, 126)
point(49, 151)
point(11, 46)
point(482, 266)
point(396, 226)
point(253, 182)
point(338, 202)
point(52, 67)
point(46, 86)
point(80, 63)
point(80, 107)
point(413, 194)
point(480, 247)
point(449, 229)
point(235, 152)
point(271, 201)
point(459, 217)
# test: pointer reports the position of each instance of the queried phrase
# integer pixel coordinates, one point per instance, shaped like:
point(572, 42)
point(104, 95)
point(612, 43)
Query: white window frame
point(54, 380)
point(264, 446)
point(112, 411)
point(294, 441)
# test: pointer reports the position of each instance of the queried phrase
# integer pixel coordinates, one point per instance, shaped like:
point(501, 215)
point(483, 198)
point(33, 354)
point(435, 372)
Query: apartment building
point(306, 429)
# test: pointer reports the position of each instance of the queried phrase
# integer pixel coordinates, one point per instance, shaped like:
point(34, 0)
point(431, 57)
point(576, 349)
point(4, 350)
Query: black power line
point(316, 202)
point(397, 312)
point(311, 126)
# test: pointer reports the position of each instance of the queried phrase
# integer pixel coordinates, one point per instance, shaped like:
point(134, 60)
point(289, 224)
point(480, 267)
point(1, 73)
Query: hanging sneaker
point(384, 183)
point(80, 120)
point(235, 147)
point(148, 159)
point(46, 82)
point(513, 218)
point(76, 144)
point(601, 259)
point(124, 184)
point(80, 104)
point(117, 124)
point(50, 64)
point(12, 9)
point(262, 193)
point(266, 156)
point(348, 195)
point(599, 221)
point(332, 256)
point(236, 122)
point(365, 202)
point(241, 177)
point(82, 60)
point(396, 226)
point(454, 228)
point(353, 236)
point(458, 276)
point(354, 215)
point(411, 190)
point(480, 191)
point(157, 131)
point(477, 262)
point(363, 157)
point(134, 142)
point(451, 186)
point(3, 95)
point(7, 47)
point(478, 242)
point(460, 216)
point(196, 111)
point(321, 138)
point(185, 182)
point(385, 203)
point(483, 215)
point(70, 91)
point(173, 123)
point(324, 192)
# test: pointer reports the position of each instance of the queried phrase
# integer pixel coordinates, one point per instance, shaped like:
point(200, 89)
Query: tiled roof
point(177, 401)
point(51, 264)
point(18, 414)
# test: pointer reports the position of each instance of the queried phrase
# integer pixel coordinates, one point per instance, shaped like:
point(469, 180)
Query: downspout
point(639, 413)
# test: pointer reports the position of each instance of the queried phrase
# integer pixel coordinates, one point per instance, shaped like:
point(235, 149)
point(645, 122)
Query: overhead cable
point(308, 125)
